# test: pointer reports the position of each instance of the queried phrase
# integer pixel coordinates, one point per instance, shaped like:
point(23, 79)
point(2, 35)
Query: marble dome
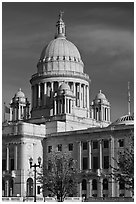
point(60, 54)
point(61, 48)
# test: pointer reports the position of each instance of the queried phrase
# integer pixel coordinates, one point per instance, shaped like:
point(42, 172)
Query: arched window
point(121, 185)
point(105, 184)
point(84, 184)
point(29, 187)
point(94, 184)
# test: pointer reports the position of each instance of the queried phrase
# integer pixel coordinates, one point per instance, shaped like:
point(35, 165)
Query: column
point(15, 156)
point(68, 105)
point(101, 113)
point(32, 95)
point(90, 188)
point(112, 163)
point(45, 91)
point(65, 106)
point(11, 114)
point(74, 91)
point(7, 188)
point(39, 93)
point(15, 113)
point(87, 97)
point(109, 113)
point(7, 158)
point(83, 95)
point(55, 104)
point(80, 155)
point(27, 111)
point(80, 92)
point(52, 89)
point(100, 148)
point(90, 155)
point(106, 113)
point(80, 189)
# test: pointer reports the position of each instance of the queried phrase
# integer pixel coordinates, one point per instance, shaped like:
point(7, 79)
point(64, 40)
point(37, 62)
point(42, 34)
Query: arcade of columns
point(41, 91)
point(90, 167)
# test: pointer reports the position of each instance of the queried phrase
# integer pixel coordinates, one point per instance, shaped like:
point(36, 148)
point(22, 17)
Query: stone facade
point(61, 114)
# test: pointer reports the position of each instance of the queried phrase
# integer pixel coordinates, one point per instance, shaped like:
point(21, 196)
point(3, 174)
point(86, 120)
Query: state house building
point(62, 118)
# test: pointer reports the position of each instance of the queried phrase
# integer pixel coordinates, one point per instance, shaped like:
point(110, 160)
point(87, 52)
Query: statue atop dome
point(60, 32)
point(60, 14)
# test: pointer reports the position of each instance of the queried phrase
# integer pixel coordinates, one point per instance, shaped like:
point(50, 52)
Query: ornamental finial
point(60, 14)
point(60, 32)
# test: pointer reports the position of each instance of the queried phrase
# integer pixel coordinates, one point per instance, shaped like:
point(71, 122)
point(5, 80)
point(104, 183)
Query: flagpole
point(4, 111)
point(128, 98)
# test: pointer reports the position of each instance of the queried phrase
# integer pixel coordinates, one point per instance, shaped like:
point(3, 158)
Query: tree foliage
point(124, 173)
point(59, 176)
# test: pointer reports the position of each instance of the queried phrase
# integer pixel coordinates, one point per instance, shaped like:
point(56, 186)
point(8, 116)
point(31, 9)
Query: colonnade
point(19, 111)
point(101, 113)
point(111, 191)
point(42, 91)
point(62, 105)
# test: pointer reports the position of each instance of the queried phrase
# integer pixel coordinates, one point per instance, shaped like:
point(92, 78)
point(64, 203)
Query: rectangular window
point(38, 189)
point(95, 163)
point(106, 144)
point(121, 143)
point(95, 145)
point(70, 147)
point(12, 164)
point(59, 147)
point(106, 162)
point(49, 149)
point(85, 163)
point(3, 164)
point(84, 145)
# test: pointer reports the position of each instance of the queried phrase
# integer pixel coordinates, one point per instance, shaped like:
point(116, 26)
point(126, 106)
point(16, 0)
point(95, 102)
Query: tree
point(59, 177)
point(124, 173)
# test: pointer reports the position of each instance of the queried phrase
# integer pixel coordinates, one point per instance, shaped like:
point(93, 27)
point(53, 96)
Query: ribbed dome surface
point(61, 47)
point(124, 120)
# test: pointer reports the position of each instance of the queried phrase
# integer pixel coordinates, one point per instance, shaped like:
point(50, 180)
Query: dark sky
point(103, 33)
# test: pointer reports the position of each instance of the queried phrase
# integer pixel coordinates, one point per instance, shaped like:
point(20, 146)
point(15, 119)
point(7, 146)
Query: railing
point(111, 199)
point(62, 73)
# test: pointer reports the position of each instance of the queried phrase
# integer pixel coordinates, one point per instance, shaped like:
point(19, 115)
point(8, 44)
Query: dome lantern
point(60, 32)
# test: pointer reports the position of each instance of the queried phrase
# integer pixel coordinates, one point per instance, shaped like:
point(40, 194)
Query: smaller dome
point(124, 120)
point(100, 95)
point(65, 89)
point(19, 94)
point(64, 86)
